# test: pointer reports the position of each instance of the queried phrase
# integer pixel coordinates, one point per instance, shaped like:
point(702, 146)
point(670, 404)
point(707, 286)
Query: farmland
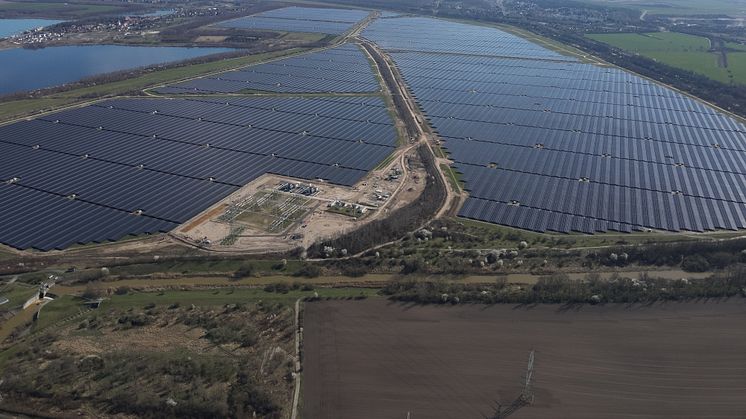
point(684, 51)
point(679, 7)
point(374, 359)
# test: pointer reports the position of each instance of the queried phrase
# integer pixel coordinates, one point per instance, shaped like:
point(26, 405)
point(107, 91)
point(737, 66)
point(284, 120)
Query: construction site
point(274, 213)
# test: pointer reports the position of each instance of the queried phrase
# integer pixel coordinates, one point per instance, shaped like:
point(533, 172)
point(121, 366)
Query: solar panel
point(137, 166)
point(301, 19)
point(545, 142)
point(342, 69)
point(435, 35)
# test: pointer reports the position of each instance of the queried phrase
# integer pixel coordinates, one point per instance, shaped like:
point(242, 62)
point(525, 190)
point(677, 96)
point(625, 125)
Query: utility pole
point(527, 394)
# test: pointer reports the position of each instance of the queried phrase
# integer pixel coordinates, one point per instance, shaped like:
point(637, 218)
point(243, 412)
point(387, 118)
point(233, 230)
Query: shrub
point(308, 270)
point(695, 263)
point(244, 271)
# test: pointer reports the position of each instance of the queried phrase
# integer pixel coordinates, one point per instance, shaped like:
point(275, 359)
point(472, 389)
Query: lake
point(10, 27)
point(31, 69)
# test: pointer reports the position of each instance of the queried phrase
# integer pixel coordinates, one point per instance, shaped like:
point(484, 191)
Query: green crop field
point(679, 7)
point(734, 46)
point(687, 52)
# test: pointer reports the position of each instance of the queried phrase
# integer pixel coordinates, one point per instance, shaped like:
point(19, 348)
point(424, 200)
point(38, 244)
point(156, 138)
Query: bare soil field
point(377, 359)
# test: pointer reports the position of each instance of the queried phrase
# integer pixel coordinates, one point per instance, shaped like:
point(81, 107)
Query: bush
point(232, 333)
point(134, 320)
point(695, 263)
point(308, 270)
point(91, 293)
point(279, 287)
point(354, 271)
point(244, 271)
point(412, 266)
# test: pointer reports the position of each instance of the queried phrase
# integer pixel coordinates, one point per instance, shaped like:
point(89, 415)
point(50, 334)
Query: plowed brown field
point(377, 359)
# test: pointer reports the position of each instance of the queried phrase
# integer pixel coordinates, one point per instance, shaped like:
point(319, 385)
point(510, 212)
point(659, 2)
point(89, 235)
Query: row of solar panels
point(497, 85)
point(343, 69)
point(318, 14)
point(434, 35)
point(642, 209)
point(389, 15)
point(500, 70)
point(535, 125)
point(566, 98)
point(35, 219)
point(620, 151)
point(300, 19)
point(226, 127)
point(550, 145)
point(662, 178)
point(521, 111)
point(628, 111)
point(362, 109)
point(157, 163)
point(287, 25)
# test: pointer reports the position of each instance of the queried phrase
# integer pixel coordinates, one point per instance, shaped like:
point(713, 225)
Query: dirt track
point(376, 359)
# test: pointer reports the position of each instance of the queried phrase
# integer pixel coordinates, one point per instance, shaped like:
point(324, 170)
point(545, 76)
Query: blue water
point(10, 27)
point(27, 69)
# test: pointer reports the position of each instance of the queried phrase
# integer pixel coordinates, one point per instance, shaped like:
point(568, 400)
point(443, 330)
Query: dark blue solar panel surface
point(434, 35)
point(545, 142)
point(343, 69)
point(89, 169)
point(301, 19)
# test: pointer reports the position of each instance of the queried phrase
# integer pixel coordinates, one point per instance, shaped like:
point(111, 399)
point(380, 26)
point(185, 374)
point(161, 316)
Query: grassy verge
point(23, 107)
point(453, 177)
point(68, 306)
point(510, 236)
point(303, 36)
point(386, 161)
point(204, 266)
point(17, 294)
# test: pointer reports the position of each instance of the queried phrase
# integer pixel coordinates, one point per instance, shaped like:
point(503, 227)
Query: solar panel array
point(343, 69)
point(388, 14)
point(301, 19)
point(433, 35)
point(545, 142)
point(133, 166)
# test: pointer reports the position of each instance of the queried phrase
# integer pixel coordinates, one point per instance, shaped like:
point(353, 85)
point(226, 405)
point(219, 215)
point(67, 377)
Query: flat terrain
point(680, 7)
point(377, 359)
point(684, 51)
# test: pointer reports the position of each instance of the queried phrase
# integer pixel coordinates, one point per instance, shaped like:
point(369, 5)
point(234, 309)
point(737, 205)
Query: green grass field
point(687, 52)
point(679, 7)
point(17, 294)
point(734, 46)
